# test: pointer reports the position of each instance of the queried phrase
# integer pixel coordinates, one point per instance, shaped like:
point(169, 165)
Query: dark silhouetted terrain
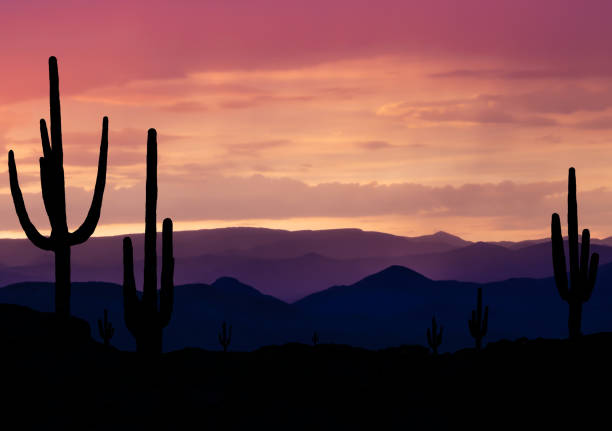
point(56, 377)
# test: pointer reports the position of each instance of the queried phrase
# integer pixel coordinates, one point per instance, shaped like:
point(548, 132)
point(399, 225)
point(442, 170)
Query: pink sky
point(399, 116)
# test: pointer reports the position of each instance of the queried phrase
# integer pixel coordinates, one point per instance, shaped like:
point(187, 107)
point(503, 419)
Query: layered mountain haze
point(293, 264)
point(389, 308)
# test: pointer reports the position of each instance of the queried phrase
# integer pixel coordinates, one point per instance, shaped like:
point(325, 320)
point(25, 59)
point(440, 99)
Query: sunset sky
point(399, 116)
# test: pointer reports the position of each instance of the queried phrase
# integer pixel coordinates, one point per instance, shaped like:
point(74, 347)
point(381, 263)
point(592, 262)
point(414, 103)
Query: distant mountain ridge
point(388, 308)
point(291, 265)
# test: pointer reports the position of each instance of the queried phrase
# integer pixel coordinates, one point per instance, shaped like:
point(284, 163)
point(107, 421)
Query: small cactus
point(225, 337)
point(315, 338)
point(478, 324)
point(106, 329)
point(434, 338)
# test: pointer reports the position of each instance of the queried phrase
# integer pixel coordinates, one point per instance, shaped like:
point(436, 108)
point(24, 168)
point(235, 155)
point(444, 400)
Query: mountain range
point(291, 265)
point(389, 308)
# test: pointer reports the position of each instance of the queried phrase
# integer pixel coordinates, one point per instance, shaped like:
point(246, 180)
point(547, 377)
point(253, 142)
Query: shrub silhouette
point(106, 329)
point(142, 317)
point(582, 275)
point(478, 324)
point(225, 337)
point(434, 338)
point(54, 196)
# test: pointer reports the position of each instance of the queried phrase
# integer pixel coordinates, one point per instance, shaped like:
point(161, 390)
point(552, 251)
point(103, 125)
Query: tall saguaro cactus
point(142, 316)
point(582, 275)
point(479, 324)
point(54, 196)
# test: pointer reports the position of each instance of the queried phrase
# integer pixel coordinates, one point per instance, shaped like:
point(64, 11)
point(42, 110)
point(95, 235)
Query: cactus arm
point(166, 292)
point(46, 173)
point(88, 227)
point(28, 227)
point(44, 137)
point(584, 255)
point(130, 297)
point(47, 191)
point(558, 256)
point(591, 278)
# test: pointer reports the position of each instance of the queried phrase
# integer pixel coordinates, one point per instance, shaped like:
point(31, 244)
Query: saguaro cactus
point(478, 324)
point(142, 316)
point(434, 338)
point(582, 275)
point(54, 196)
point(106, 329)
point(225, 337)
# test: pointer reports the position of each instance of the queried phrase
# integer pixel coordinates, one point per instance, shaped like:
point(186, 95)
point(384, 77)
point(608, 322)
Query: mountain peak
point(447, 238)
point(441, 233)
point(394, 275)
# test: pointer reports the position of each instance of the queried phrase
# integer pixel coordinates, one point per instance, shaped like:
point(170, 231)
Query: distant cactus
point(142, 317)
point(434, 338)
point(54, 196)
point(225, 337)
point(582, 275)
point(315, 338)
point(478, 324)
point(106, 329)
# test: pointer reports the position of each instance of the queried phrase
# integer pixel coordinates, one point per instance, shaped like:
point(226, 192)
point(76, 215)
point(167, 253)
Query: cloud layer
point(400, 116)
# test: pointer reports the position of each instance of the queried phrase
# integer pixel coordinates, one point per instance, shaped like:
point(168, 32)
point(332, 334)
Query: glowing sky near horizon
point(398, 116)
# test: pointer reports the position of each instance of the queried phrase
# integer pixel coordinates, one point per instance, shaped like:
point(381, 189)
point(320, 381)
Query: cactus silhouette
point(434, 338)
point(315, 338)
point(478, 324)
point(143, 318)
point(54, 196)
point(106, 329)
point(225, 337)
point(582, 275)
